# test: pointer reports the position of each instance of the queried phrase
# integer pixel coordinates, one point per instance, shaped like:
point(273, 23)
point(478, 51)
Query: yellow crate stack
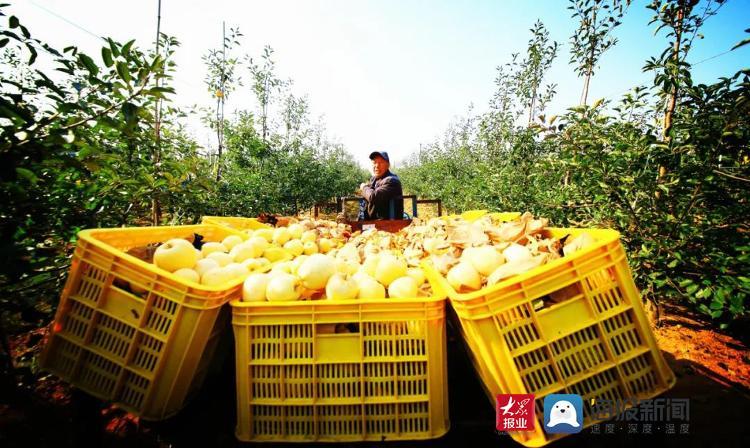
point(596, 342)
point(298, 380)
point(147, 352)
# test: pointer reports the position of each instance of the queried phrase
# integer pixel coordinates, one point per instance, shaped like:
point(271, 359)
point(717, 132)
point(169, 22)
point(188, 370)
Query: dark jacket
point(378, 194)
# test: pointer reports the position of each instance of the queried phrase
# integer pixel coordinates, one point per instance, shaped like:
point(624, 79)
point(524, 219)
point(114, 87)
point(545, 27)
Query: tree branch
point(725, 174)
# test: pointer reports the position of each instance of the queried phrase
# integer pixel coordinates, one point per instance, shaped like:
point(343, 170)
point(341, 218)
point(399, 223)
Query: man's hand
point(362, 186)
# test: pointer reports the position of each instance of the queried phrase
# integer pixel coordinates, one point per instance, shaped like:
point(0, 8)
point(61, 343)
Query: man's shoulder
point(391, 178)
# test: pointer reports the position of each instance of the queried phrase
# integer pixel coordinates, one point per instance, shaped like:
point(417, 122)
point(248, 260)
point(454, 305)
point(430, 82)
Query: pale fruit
point(211, 247)
point(222, 258)
point(309, 236)
point(244, 251)
point(284, 266)
point(371, 264)
point(581, 241)
point(295, 247)
point(389, 269)
point(180, 241)
point(205, 265)
point(297, 262)
point(485, 259)
point(251, 264)
point(519, 267)
point(296, 230)
point(231, 241)
point(417, 274)
point(262, 263)
point(371, 249)
point(266, 234)
point(369, 288)
point(435, 246)
point(339, 287)
point(216, 277)
point(260, 242)
point(325, 245)
point(282, 287)
point(310, 248)
point(516, 253)
point(463, 275)
point(346, 267)
point(254, 288)
point(238, 270)
point(316, 270)
point(348, 252)
point(199, 253)
point(403, 288)
point(281, 235)
point(188, 274)
point(274, 254)
point(174, 255)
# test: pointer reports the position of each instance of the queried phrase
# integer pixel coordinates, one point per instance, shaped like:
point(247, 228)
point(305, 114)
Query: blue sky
point(383, 74)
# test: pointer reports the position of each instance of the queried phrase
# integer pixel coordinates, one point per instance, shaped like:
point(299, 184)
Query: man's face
point(379, 166)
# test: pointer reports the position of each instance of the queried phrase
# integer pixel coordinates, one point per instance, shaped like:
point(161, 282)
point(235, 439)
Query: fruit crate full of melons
point(345, 341)
point(141, 314)
point(547, 311)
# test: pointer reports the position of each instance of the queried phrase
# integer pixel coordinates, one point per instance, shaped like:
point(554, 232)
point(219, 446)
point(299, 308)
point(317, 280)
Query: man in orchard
point(383, 187)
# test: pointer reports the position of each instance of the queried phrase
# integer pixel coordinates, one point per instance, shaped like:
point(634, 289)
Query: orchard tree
point(596, 21)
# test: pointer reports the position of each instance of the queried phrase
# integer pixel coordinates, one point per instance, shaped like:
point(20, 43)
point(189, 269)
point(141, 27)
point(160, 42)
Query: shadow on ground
point(718, 411)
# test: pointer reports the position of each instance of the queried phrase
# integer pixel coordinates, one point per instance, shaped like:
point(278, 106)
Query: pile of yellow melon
point(318, 259)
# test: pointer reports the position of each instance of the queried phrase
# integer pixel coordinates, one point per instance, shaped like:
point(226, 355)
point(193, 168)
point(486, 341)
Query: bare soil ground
point(712, 368)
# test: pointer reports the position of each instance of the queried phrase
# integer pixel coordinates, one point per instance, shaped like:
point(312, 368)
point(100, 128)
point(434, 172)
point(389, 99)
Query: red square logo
point(515, 412)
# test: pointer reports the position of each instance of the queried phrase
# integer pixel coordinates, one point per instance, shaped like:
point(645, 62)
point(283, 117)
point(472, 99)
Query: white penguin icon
point(563, 412)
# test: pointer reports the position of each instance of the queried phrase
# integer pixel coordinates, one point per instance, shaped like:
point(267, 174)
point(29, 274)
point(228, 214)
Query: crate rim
point(87, 235)
point(438, 297)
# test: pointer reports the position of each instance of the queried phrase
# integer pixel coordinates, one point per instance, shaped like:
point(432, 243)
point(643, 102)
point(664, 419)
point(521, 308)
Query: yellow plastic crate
point(235, 223)
point(473, 215)
point(596, 342)
point(299, 381)
point(147, 352)
point(504, 216)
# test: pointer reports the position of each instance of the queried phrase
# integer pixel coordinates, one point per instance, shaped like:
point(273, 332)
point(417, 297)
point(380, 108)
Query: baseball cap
point(382, 154)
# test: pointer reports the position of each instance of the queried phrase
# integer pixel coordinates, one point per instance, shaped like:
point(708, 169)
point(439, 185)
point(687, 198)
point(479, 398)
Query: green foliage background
point(79, 149)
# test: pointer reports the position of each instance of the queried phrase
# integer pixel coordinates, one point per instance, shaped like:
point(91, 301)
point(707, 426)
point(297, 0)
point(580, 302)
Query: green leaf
point(33, 54)
point(27, 174)
point(113, 47)
point(13, 22)
point(89, 64)
point(107, 56)
point(126, 48)
point(123, 71)
point(742, 43)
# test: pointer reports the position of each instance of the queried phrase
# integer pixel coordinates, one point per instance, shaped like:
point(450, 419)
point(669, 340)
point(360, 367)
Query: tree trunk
point(155, 205)
point(590, 67)
point(672, 98)
point(585, 93)
point(219, 135)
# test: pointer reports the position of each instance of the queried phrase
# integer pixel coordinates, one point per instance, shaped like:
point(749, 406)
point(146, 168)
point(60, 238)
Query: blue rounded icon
point(563, 413)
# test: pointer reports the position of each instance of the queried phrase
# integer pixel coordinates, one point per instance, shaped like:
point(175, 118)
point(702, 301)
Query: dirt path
point(712, 368)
